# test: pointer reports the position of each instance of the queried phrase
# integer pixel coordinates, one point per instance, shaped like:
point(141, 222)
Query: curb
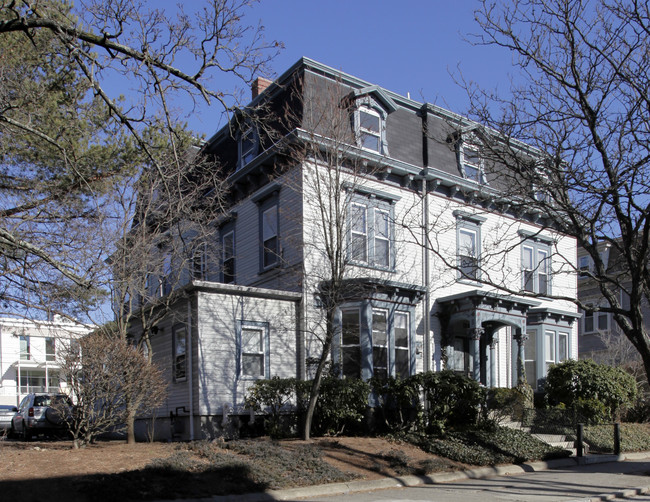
point(350, 487)
point(437, 478)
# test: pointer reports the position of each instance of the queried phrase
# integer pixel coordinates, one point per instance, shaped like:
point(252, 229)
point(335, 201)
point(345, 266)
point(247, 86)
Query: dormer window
point(248, 145)
point(472, 163)
point(370, 126)
point(369, 129)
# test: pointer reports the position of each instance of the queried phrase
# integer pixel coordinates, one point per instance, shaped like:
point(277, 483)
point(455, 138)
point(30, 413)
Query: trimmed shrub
point(273, 397)
point(504, 404)
point(398, 402)
point(572, 381)
point(453, 399)
point(342, 405)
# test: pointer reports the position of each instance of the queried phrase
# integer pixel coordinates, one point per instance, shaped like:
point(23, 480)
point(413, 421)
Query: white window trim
point(480, 167)
point(372, 205)
point(266, 353)
point(386, 363)
point(370, 106)
point(469, 224)
point(407, 348)
point(536, 248)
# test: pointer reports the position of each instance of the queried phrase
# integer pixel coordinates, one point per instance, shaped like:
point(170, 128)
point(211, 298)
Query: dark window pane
point(350, 335)
point(370, 141)
point(229, 271)
point(379, 328)
point(402, 363)
point(351, 361)
point(529, 280)
point(382, 252)
point(603, 321)
point(531, 373)
point(270, 252)
point(471, 173)
point(253, 364)
point(401, 330)
point(359, 248)
point(369, 121)
point(543, 283)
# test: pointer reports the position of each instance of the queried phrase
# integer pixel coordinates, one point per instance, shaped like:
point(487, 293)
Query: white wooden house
point(440, 270)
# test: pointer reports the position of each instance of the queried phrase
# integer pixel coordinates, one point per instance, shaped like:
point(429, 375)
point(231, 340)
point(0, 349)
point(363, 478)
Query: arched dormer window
point(371, 106)
point(471, 162)
point(369, 127)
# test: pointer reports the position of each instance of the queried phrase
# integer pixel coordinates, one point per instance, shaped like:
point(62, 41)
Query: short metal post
point(579, 441)
point(617, 439)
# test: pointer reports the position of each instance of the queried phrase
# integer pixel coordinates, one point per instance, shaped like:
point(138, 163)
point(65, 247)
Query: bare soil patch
point(56, 469)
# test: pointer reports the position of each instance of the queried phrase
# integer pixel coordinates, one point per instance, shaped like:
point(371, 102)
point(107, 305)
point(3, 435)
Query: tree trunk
point(315, 387)
point(130, 424)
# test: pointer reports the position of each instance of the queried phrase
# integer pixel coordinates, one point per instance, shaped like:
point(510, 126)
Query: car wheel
point(12, 432)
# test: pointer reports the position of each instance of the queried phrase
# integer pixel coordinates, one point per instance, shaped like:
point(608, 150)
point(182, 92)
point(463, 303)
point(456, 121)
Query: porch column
point(475, 334)
point(521, 356)
point(493, 361)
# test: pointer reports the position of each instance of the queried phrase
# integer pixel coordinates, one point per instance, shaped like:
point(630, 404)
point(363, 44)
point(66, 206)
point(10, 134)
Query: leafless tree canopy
point(108, 379)
point(581, 99)
point(68, 135)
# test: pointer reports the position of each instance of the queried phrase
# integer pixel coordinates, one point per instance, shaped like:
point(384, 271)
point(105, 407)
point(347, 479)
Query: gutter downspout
point(427, 298)
point(189, 363)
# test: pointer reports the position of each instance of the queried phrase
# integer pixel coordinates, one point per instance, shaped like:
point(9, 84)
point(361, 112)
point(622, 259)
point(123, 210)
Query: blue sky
point(408, 46)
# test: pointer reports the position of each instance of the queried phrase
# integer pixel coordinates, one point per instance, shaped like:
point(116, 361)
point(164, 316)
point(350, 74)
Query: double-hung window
point(350, 344)
point(248, 145)
point(382, 238)
point(253, 349)
point(369, 129)
point(370, 232)
point(25, 349)
point(380, 343)
point(402, 353)
point(270, 250)
point(179, 356)
point(556, 347)
point(228, 256)
point(199, 265)
point(359, 233)
point(468, 238)
point(468, 253)
point(472, 163)
point(594, 321)
point(536, 266)
point(530, 358)
point(374, 342)
point(270, 254)
point(50, 349)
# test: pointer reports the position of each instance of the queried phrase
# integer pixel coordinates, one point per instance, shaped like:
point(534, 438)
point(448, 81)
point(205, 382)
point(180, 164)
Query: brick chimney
point(258, 86)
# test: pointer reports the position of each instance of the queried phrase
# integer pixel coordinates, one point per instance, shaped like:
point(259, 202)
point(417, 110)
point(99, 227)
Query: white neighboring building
point(29, 360)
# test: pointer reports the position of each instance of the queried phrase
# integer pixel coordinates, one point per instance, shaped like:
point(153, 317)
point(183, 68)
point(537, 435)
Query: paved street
point(564, 484)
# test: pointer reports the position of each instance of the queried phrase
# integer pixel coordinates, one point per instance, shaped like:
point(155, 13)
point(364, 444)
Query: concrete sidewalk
point(591, 478)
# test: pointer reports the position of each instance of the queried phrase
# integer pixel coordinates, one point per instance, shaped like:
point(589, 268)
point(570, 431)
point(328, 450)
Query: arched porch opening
point(474, 324)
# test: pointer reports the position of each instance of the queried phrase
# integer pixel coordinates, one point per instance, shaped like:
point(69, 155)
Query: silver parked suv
point(41, 414)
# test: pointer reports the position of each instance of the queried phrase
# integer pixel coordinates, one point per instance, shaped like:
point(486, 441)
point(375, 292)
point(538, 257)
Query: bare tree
point(581, 101)
point(105, 376)
point(330, 170)
point(164, 236)
point(68, 136)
